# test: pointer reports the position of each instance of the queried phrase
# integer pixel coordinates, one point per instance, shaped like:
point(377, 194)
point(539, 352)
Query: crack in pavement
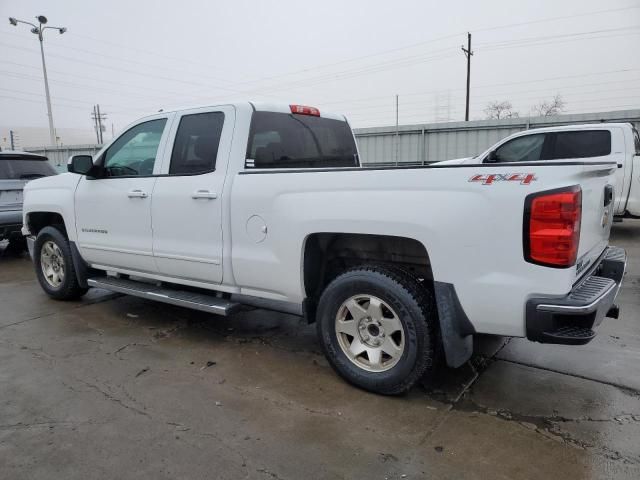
point(187, 430)
point(628, 390)
point(549, 425)
point(109, 396)
point(50, 424)
point(269, 473)
point(106, 298)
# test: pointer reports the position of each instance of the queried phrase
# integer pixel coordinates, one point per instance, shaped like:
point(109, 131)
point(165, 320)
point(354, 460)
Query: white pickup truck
point(258, 205)
point(598, 142)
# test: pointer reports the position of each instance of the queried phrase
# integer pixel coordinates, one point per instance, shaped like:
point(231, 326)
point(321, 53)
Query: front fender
point(52, 195)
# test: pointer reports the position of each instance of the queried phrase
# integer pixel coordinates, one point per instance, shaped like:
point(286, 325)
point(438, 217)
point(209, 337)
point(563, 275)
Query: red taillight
point(304, 110)
point(552, 227)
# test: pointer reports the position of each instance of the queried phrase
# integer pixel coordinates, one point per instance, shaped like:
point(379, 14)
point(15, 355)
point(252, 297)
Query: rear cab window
point(24, 168)
point(287, 140)
point(582, 144)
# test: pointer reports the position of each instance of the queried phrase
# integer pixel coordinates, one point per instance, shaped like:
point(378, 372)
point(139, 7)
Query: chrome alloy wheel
point(370, 333)
point(52, 263)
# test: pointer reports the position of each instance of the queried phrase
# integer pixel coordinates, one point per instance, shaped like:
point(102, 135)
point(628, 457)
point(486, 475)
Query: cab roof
point(277, 107)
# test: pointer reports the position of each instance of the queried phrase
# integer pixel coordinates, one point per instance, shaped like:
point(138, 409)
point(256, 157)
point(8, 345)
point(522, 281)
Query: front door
point(113, 211)
point(188, 202)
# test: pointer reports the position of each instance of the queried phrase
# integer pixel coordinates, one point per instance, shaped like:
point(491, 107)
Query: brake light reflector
point(304, 110)
point(552, 227)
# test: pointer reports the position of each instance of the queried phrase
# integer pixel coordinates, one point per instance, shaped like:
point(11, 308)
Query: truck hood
point(64, 180)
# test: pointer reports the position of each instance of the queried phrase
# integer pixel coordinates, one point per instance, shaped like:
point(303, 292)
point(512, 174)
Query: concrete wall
point(426, 143)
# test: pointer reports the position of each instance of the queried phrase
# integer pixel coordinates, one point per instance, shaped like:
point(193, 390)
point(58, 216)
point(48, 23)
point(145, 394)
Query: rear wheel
point(378, 329)
point(54, 265)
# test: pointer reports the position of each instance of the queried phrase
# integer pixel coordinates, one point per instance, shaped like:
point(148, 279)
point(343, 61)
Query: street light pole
point(39, 30)
point(52, 132)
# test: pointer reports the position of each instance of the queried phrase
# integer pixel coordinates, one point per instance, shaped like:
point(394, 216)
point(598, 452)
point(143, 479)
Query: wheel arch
point(327, 254)
point(37, 220)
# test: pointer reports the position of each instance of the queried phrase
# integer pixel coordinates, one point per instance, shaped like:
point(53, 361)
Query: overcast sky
point(135, 57)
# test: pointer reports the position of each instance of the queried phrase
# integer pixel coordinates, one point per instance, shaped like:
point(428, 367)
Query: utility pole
point(468, 53)
point(97, 118)
point(94, 117)
point(397, 144)
point(39, 30)
point(101, 127)
point(13, 145)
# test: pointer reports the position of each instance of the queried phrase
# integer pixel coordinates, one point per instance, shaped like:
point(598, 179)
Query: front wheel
point(54, 265)
point(378, 329)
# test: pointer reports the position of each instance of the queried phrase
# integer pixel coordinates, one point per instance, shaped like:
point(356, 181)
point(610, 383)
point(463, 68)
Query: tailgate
point(597, 183)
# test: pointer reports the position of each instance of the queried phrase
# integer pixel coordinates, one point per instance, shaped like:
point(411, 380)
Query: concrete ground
point(119, 387)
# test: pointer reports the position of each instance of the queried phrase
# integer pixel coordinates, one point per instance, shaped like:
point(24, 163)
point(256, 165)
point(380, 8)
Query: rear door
point(187, 201)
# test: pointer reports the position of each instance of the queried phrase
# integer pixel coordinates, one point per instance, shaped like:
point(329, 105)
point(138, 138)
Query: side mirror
point(80, 164)
point(492, 157)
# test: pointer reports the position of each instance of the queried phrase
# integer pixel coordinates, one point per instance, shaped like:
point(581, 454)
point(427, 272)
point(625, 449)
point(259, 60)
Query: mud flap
point(455, 328)
point(80, 266)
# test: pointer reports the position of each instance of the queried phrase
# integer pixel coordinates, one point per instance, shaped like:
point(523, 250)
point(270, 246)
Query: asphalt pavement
point(119, 387)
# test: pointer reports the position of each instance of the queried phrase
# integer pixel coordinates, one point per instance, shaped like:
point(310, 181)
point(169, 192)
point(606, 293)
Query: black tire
point(413, 305)
point(68, 289)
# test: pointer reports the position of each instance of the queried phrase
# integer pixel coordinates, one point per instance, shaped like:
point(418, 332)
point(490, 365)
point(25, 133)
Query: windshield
point(284, 140)
point(21, 169)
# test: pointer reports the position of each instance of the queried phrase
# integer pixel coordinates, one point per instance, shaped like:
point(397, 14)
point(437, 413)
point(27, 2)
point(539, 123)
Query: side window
point(636, 140)
point(522, 149)
point(196, 146)
point(582, 144)
point(134, 153)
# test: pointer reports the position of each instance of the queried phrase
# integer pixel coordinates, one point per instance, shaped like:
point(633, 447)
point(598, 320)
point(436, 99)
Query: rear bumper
point(10, 223)
point(570, 320)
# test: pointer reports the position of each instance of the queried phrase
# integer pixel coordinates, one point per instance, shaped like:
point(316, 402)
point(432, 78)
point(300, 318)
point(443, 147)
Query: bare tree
point(497, 110)
point(553, 107)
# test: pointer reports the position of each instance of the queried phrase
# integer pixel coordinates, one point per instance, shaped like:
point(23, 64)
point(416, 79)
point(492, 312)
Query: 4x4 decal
point(491, 178)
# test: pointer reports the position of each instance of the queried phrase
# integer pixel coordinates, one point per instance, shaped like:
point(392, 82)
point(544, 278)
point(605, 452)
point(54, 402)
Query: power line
point(538, 80)
point(334, 75)
point(365, 70)
point(320, 79)
point(145, 88)
point(125, 70)
point(384, 52)
point(418, 108)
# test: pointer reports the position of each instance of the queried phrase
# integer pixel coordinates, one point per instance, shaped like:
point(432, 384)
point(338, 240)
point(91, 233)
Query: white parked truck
point(598, 142)
point(258, 205)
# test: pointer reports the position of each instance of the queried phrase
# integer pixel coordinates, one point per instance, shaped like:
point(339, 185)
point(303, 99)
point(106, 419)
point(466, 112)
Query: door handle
point(137, 194)
point(206, 194)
